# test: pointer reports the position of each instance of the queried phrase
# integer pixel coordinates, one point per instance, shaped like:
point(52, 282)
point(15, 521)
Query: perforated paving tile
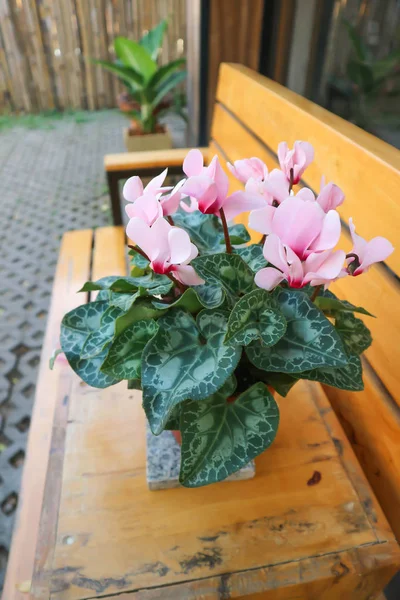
point(51, 181)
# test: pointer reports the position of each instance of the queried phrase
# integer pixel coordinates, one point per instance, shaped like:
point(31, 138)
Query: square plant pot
point(151, 141)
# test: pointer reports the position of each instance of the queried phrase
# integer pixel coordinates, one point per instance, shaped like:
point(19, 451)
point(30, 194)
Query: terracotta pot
point(177, 434)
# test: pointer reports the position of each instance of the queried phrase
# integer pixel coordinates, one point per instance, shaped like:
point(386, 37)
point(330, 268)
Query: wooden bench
point(309, 525)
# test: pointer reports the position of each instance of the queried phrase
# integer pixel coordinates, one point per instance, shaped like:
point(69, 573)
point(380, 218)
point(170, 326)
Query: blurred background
point(66, 89)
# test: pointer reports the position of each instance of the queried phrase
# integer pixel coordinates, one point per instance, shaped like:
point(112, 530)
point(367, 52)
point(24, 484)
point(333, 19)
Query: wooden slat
point(373, 428)
point(72, 271)
point(108, 258)
point(376, 290)
point(115, 535)
point(367, 168)
point(109, 252)
point(147, 160)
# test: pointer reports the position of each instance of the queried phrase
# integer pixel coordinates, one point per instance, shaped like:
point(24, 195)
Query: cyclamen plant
point(209, 327)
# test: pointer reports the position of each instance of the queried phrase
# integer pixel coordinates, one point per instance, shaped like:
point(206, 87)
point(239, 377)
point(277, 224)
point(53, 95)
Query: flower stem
point(291, 180)
point(262, 241)
point(316, 291)
point(170, 221)
point(226, 232)
point(139, 251)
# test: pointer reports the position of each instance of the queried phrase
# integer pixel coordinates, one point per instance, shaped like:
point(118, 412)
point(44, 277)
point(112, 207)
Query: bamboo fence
point(46, 47)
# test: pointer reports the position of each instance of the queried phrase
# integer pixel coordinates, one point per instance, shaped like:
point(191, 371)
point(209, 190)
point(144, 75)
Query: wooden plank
point(372, 425)
point(377, 290)
point(108, 258)
point(119, 538)
point(366, 167)
point(147, 160)
point(346, 575)
point(109, 252)
point(72, 271)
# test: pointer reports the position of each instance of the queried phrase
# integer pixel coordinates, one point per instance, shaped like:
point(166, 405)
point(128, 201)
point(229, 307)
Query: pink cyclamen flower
point(330, 196)
point(146, 207)
point(364, 254)
point(170, 202)
point(168, 248)
point(249, 168)
point(297, 159)
point(273, 189)
point(207, 188)
point(133, 187)
point(318, 268)
point(300, 223)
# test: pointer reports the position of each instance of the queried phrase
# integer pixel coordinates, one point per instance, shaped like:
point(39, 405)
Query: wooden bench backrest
point(253, 114)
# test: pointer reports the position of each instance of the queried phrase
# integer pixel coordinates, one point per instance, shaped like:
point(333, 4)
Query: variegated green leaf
point(238, 235)
point(220, 436)
point(253, 256)
point(210, 295)
point(281, 382)
point(185, 359)
point(310, 340)
point(154, 283)
point(99, 339)
point(327, 301)
point(76, 326)
point(344, 378)
point(255, 316)
point(355, 335)
point(134, 384)
point(141, 310)
point(189, 301)
point(125, 354)
point(227, 271)
point(206, 231)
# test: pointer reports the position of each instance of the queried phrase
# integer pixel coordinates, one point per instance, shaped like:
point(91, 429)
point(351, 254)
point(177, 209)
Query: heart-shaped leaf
point(227, 271)
point(125, 301)
point(219, 436)
point(154, 283)
point(99, 339)
point(310, 340)
point(125, 354)
point(141, 310)
point(210, 295)
point(344, 378)
point(238, 234)
point(355, 335)
point(253, 256)
point(206, 231)
point(255, 316)
point(76, 326)
point(189, 301)
point(327, 301)
point(185, 359)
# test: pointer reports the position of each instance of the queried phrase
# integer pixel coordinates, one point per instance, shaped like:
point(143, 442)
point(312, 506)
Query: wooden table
point(307, 526)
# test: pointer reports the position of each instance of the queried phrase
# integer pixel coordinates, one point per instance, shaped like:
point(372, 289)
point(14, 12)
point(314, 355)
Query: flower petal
point(193, 163)
point(378, 249)
point(179, 245)
point(187, 275)
point(140, 233)
point(268, 278)
point(203, 189)
point(298, 223)
point(154, 186)
point(133, 188)
point(261, 219)
point(330, 197)
point(277, 185)
point(241, 201)
point(325, 266)
point(329, 234)
point(274, 253)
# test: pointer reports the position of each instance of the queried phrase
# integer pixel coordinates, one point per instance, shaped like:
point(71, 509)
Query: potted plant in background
point(206, 326)
point(150, 88)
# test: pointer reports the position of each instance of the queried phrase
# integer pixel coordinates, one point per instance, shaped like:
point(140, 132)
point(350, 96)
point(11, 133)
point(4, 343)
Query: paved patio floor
point(51, 180)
